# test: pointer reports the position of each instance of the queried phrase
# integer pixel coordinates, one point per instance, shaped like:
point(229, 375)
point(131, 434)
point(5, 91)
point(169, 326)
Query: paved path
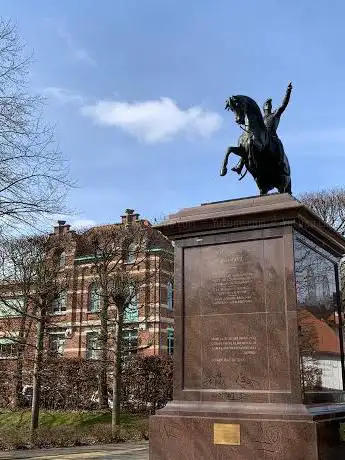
point(126, 451)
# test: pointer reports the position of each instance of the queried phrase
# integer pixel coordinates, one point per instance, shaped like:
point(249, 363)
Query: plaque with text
point(235, 331)
point(232, 278)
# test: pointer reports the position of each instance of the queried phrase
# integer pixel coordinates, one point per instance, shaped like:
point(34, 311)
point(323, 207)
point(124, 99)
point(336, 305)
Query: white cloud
point(82, 223)
point(73, 220)
point(154, 121)
point(77, 52)
point(62, 95)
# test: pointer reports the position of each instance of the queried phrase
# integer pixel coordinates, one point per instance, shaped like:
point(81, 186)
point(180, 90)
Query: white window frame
point(94, 351)
point(131, 314)
point(133, 336)
point(170, 340)
point(6, 310)
point(94, 297)
point(61, 337)
point(170, 295)
point(13, 345)
point(132, 253)
point(59, 305)
point(62, 259)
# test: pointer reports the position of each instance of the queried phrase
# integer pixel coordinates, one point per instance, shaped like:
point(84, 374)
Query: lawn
point(68, 428)
point(21, 419)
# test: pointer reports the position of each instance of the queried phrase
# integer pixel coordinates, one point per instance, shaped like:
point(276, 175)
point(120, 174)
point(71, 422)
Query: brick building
point(74, 317)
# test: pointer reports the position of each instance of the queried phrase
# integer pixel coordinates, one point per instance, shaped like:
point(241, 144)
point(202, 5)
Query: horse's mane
point(253, 107)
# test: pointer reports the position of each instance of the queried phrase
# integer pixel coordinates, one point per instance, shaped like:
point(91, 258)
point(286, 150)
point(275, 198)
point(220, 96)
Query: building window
point(8, 348)
point(132, 311)
point(59, 304)
point(57, 344)
point(11, 307)
point(132, 253)
point(170, 295)
point(94, 298)
point(62, 259)
point(129, 342)
point(92, 345)
point(170, 340)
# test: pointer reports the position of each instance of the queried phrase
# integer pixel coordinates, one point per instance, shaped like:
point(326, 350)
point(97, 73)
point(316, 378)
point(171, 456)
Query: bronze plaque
point(227, 433)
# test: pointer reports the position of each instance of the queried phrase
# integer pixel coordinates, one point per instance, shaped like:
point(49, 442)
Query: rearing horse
point(263, 154)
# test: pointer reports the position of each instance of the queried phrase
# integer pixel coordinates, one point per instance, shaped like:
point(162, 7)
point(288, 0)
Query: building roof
point(326, 338)
point(82, 238)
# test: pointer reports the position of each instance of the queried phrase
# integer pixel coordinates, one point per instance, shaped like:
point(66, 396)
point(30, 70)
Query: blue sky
point(136, 89)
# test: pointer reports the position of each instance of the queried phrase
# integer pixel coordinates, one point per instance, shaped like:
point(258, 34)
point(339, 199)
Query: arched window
point(170, 295)
point(94, 298)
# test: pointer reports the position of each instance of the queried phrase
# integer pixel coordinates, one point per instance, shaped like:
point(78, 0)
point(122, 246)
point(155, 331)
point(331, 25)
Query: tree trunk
point(117, 374)
point(18, 377)
point(36, 383)
point(103, 342)
point(114, 428)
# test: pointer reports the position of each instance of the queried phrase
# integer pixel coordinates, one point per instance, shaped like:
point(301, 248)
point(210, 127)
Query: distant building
point(74, 319)
point(320, 350)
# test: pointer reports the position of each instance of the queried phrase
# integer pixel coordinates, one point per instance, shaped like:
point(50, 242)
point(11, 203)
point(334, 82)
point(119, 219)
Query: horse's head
point(243, 106)
point(236, 105)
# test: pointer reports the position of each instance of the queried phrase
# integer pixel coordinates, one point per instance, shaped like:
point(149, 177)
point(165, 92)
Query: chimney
point(129, 217)
point(62, 228)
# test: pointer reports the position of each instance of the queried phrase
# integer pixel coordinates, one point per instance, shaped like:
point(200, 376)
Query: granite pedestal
point(259, 361)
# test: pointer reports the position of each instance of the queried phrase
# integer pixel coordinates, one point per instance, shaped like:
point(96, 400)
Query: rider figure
point(271, 120)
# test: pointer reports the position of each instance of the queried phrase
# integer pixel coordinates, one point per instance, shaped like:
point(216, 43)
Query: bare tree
point(115, 258)
point(121, 272)
point(31, 272)
point(33, 175)
point(329, 205)
point(16, 328)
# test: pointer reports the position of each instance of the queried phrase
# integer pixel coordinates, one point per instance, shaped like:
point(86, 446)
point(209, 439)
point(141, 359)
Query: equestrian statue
point(260, 150)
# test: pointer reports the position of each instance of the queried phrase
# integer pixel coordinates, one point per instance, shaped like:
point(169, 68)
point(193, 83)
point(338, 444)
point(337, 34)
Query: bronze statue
point(260, 149)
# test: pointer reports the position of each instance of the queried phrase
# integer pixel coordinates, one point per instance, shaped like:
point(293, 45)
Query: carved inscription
point(234, 353)
point(235, 288)
point(230, 396)
point(233, 349)
point(217, 380)
point(237, 259)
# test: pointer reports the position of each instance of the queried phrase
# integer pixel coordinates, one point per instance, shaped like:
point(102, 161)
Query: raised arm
point(286, 100)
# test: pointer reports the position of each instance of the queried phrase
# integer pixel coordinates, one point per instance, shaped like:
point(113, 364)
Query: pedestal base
point(243, 363)
point(259, 433)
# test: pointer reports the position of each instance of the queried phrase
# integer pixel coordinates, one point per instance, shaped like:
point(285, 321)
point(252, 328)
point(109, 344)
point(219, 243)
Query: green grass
point(21, 419)
point(68, 428)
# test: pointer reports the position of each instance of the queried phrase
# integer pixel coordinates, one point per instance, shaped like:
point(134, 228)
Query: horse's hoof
point(223, 171)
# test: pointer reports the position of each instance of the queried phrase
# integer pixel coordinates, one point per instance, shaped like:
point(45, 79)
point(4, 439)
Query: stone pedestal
point(259, 362)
